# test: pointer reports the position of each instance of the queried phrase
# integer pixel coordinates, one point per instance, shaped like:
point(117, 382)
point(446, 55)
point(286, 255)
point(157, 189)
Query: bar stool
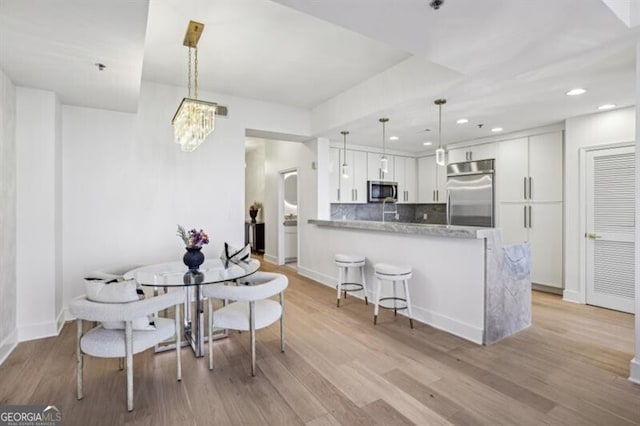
point(344, 262)
point(393, 273)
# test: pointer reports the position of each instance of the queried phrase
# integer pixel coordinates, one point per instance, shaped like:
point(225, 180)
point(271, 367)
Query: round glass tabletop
point(176, 274)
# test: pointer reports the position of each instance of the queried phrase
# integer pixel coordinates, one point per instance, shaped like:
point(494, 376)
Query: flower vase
point(193, 258)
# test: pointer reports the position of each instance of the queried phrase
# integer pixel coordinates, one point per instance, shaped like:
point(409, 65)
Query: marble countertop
point(409, 228)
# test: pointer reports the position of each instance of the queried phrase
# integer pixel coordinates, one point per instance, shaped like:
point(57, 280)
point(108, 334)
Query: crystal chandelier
point(440, 160)
point(195, 119)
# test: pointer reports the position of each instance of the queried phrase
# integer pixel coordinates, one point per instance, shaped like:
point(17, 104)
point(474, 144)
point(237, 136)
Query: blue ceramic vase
point(193, 258)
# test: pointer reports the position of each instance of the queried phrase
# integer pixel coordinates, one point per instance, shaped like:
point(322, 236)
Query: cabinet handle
point(525, 216)
point(356, 194)
point(470, 155)
point(437, 195)
point(524, 188)
point(433, 195)
point(338, 194)
point(530, 194)
point(530, 216)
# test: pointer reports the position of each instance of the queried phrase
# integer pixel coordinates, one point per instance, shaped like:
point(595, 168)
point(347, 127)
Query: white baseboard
point(61, 320)
point(635, 370)
point(466, 331)
point(271, 259)
point(327, 280)
point(8, 345)
point(37, 331)
point(572, 296)
point(444, 323)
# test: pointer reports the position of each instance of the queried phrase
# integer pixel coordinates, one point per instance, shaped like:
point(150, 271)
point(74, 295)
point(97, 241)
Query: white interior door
point(610, 250)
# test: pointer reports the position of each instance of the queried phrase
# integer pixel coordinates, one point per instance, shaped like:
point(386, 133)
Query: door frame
point(582, 202)
point(280, 211)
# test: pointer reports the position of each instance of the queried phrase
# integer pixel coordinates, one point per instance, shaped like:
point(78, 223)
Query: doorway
point(610, 228)
point(288, 218)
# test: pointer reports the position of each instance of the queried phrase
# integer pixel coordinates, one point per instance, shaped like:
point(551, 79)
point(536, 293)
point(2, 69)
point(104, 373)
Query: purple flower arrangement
point(193, 238)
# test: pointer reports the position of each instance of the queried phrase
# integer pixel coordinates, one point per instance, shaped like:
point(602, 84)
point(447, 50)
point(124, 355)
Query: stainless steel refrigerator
point(470, 188)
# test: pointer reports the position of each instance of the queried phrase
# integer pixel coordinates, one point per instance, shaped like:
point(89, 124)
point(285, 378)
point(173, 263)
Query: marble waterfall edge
point(508, 288)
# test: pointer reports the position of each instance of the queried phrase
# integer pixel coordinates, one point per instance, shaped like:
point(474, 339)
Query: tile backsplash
point(436, 214)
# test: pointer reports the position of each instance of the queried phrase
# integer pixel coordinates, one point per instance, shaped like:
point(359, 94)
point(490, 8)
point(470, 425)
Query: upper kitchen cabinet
point(353, 189)
point(374, 172)
point(334, 175)
point(530, 169)
point(472, 153)
point(545, 167)
point(432, 181)
point(406, 176)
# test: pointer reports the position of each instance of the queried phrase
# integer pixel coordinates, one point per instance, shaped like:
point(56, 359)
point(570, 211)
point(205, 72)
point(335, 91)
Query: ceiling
point(504, 63)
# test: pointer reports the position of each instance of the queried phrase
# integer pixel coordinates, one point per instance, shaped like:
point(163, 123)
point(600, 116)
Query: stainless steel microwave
point(378, 191)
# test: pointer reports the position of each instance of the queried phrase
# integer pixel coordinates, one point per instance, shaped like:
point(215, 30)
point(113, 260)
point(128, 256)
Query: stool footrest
point(353, 287)
point(395, 299)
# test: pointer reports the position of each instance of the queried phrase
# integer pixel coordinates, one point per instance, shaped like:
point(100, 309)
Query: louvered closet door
point(610, 228)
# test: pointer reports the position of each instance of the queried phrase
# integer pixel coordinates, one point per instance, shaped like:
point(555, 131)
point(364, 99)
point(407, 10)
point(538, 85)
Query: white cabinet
point(512, 170)
point(545, 167)
point(354, 188)
point(374, 172)
point(405, 175)
point(472, 153)
point(432, 181)
point(290, 243)
point(530, 169)
point(529, 181)
point(334, 175)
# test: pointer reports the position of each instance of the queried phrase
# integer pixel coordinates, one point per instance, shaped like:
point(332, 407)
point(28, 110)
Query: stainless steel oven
point(378, 191)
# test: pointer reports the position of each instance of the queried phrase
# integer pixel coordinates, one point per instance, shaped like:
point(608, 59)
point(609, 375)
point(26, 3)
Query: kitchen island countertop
point(449, 231)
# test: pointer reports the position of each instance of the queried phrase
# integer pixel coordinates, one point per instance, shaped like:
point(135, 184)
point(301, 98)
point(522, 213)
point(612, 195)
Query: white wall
point(126, 184)
point(8, 289)
point(580, 132)
point(37, 202)
point(254, 175)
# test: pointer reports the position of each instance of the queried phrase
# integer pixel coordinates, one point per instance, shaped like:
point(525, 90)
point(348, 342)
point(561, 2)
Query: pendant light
point(440, 160)
point(345, 166)
point(195, 119)
point(384, 162)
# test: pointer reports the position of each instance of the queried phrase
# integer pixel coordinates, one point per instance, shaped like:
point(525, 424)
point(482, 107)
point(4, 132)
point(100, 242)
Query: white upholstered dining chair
point(116, 343)
point(250, 308)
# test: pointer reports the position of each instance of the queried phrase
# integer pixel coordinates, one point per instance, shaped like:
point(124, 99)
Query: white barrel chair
point(250, 308)
point(103, 343)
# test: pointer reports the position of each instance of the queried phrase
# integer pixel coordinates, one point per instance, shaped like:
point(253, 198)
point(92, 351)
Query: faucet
point(393, 212)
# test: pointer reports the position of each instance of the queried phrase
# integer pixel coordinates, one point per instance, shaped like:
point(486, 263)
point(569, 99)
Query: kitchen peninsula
point(464, 280)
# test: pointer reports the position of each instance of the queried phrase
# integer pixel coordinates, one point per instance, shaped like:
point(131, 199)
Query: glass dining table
point(176, 274)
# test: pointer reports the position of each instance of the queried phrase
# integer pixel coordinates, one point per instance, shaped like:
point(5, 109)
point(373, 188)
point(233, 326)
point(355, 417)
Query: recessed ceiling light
point(427, 143)
point(394, 138)
point(576, 92)
point(606, 106)
point(462, 121)
point(496, 129)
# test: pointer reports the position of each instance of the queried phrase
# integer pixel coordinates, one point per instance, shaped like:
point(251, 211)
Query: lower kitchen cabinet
point(541, 225)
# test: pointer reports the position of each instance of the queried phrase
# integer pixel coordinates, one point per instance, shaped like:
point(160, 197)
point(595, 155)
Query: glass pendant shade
point(384, 164)
point(440, 156)
point(345, 170)
point(440, 152)
point(193, 122)
point(345, 167)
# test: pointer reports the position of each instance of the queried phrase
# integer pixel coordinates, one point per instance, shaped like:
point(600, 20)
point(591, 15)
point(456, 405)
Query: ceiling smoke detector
point(436, 4)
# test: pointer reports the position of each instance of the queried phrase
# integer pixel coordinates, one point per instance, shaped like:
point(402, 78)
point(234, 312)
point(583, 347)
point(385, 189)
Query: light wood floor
point(569, 368)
